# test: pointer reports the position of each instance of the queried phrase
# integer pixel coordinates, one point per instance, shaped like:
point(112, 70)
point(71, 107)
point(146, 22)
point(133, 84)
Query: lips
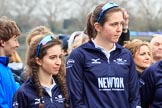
point(56, 69)
point(117, 35)
point(147, 62)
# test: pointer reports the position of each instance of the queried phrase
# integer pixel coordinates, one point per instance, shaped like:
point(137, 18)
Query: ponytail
point(90, 29)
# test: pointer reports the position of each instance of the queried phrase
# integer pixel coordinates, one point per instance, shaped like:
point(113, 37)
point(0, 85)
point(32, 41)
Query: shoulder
point(154, 67)
point(81, 50)
point(26, 87)
point(123, 51)
point(153, 72)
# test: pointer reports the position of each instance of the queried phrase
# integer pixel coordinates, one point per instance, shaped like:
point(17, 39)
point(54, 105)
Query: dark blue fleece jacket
point(95, 82)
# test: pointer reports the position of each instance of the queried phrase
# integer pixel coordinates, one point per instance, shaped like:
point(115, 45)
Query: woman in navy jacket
point(45, 86)
point(101, 73)
point(151, 86)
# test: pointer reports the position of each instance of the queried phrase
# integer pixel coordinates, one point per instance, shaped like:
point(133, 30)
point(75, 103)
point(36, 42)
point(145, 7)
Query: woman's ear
point(38, 61)
point(97, 27)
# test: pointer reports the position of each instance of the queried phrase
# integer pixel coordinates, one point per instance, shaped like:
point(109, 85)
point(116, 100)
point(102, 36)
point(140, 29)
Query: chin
point(115, 41)
point(55, 73)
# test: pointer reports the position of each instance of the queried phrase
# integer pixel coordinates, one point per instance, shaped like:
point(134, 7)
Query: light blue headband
point(105, 8)
point(44, 41)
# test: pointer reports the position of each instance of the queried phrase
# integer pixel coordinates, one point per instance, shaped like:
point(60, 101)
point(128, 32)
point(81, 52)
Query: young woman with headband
point(45, 86)
point(101, 73)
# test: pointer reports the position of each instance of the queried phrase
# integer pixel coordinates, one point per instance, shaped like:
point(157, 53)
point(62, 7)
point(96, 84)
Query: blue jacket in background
point(95, 82)
point(8, 86)
point(27, 97)
point(151, 89)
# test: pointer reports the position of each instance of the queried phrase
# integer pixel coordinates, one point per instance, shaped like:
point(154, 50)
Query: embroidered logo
point(96, 61)
point(70, 63)
point(120, 61)
point(15, 104)
point(59, 98)
point(37, 101)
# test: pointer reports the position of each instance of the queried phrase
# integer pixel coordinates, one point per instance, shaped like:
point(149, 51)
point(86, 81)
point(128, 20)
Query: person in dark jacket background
point(125, 36)
point(64, 38)
point(101, 73)
point(151, 86)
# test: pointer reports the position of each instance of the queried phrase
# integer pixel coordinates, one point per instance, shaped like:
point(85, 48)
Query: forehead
point(115, 16)
point(157, 39)
point(143, 48)
point(13, 37)
point(54, 50)
point(79, 37)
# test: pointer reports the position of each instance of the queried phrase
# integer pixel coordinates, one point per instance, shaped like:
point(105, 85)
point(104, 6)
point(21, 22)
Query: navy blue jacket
point(27, 97)
point(151, 91)
point(95, 82)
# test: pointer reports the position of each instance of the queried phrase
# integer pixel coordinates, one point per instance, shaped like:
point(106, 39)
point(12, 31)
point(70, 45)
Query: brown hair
point(32, 68)
point(8, 29)
point(93, 16)
point(39, 30)
point(134, 45)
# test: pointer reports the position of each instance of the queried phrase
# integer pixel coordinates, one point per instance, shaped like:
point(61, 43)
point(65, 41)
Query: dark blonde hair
point(135, 45)
point(39, 30)
point(8, 29)
point(15, 57)
point(93, 16)
point(32, 68)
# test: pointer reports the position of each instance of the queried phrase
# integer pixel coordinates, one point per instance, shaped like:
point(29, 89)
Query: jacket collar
point(4, 60)
point(90, 45)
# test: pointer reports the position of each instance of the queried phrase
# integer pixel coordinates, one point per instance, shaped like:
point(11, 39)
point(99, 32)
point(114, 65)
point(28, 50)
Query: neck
point(107, 45)
point(140, 69)
point(45, 79)
point(2, 51)
point(156, 59)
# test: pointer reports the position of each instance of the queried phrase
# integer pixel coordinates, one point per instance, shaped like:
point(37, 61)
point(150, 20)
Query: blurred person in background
point(125, 36)
point(74, 41)
point(9, 33)
point(37, 32)
point(16, 66)
point(151, 86)
point(64, 38)
point(141, 53)
point(156, 48)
